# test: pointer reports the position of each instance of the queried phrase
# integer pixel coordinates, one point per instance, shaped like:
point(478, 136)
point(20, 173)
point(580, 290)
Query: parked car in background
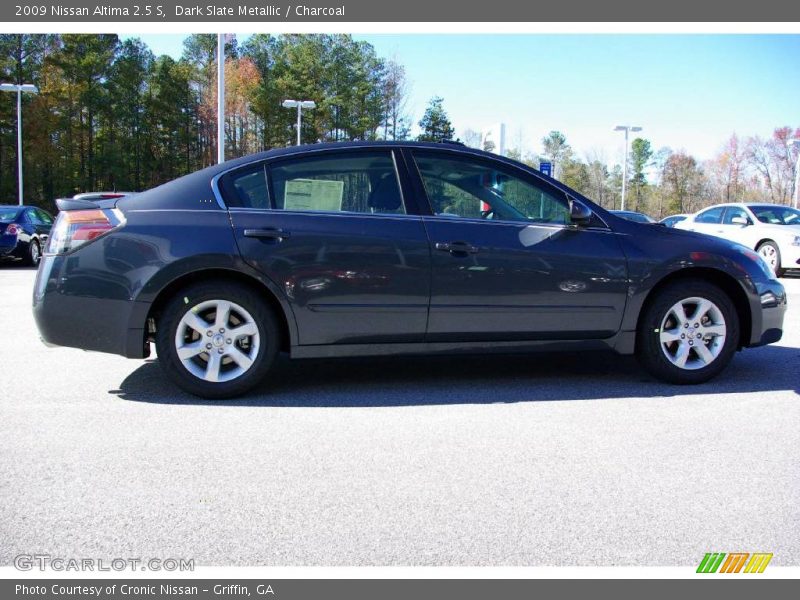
point(634, 216)
point(23, 232)
point(772, 230)
point(672, 220)
point(388, 248)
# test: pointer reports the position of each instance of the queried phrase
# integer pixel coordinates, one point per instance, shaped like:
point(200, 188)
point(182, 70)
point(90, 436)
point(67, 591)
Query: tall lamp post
point(300, 105)
point(221, 38)
point(627, 129)
point(795, 143)
point(19, 88)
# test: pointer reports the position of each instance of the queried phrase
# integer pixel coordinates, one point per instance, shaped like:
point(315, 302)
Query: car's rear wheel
point(688, 333)
point(34, 254)
point(217, 340)
point(770, 252)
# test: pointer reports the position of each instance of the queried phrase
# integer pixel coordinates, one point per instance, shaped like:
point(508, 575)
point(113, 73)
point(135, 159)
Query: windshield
point(8, 214)
point(776, 215)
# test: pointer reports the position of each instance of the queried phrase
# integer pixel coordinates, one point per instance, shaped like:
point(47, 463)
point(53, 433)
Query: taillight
point(73, 228)
point(12, 229)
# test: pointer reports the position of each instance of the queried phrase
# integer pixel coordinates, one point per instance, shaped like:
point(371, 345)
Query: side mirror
point(579, 214)
point(740, 221)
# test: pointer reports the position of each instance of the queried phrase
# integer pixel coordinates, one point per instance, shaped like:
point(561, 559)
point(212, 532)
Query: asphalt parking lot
point(575, 459)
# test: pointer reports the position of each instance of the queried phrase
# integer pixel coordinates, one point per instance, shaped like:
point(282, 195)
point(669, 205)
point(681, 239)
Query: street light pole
point(221, 98)
point(19, 88)
point(300, 105)
point(626, 129)
point(795, 143)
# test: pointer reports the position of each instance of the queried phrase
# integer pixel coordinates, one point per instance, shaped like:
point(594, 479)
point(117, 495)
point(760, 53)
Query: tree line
point(110, 115)
point(666, 181)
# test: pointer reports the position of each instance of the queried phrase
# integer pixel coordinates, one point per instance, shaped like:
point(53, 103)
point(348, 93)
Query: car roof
point(306, 148)
point(744, 205)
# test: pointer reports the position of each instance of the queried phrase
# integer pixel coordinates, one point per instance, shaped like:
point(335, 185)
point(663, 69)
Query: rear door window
point(362, 182)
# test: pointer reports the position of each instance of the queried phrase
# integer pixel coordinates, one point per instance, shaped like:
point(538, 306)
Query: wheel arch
point(763, 241)
point(285, 319)
point(722, 280)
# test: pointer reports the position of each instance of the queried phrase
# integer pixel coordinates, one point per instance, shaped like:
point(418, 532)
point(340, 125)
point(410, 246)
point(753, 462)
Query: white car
point(772, 230)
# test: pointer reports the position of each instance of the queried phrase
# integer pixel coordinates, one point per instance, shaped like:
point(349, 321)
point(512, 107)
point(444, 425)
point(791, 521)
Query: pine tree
point(435, 124)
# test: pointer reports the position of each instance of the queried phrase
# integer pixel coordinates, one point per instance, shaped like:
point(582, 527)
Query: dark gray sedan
point(389, 249)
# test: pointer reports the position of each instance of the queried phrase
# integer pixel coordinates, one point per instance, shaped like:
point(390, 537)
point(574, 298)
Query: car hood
point(708, 242)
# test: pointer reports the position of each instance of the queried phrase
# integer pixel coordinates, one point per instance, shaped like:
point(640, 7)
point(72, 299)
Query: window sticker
point(313, 194)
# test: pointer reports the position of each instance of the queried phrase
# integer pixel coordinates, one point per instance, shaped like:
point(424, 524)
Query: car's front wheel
point(770, 252)
point(217, 340)
point(688, 333)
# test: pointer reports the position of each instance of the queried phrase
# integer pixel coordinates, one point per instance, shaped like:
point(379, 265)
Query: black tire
point(34, 254)
point(779, 272)
point(652, 353)
point(192, 297)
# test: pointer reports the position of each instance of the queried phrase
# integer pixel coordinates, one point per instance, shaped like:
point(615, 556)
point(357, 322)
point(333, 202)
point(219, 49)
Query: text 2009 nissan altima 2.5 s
point(387, 249)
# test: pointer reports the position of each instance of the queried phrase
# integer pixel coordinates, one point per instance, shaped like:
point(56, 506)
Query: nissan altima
point(373, 248)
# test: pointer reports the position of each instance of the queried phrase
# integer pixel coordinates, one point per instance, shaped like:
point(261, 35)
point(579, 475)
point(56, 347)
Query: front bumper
point(767, 326)
point(790, 257)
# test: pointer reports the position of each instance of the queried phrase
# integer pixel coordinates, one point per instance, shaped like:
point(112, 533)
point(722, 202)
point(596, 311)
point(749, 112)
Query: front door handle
point(456, 248)
point(267, 234)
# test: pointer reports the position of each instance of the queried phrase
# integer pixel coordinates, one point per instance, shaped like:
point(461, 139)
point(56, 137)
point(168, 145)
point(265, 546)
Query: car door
point(334, 231)
point(735, 225)
point(506, 262)
point(707, 221)
point(42, 224)
point(27, 229)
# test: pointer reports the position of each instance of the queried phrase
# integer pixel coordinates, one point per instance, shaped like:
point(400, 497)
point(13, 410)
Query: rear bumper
point(67, 313)
point(7, 247)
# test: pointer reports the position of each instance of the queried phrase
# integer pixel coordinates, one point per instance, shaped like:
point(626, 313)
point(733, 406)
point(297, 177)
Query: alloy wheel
point(692, 333)
point(217, 340)
point(770, 254)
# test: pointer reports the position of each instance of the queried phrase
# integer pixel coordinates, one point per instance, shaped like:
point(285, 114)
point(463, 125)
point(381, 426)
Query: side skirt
point(342, 350)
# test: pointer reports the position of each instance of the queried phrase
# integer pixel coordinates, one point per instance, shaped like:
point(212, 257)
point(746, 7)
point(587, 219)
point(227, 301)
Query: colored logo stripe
point(711, 562)
point(734, 562)
point(758, 562)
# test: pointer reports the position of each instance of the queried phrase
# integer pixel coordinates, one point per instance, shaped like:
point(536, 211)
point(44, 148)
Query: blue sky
point(686, 91)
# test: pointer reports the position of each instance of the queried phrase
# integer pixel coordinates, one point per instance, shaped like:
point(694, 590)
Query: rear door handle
point(267, 234)
point(456, 248)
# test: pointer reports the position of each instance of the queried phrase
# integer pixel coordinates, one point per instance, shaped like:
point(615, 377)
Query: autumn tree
point(682, 181)
point(396, 125)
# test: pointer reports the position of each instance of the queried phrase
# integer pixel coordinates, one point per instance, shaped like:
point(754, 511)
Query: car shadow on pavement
point(473, 379)
point(16, 264)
